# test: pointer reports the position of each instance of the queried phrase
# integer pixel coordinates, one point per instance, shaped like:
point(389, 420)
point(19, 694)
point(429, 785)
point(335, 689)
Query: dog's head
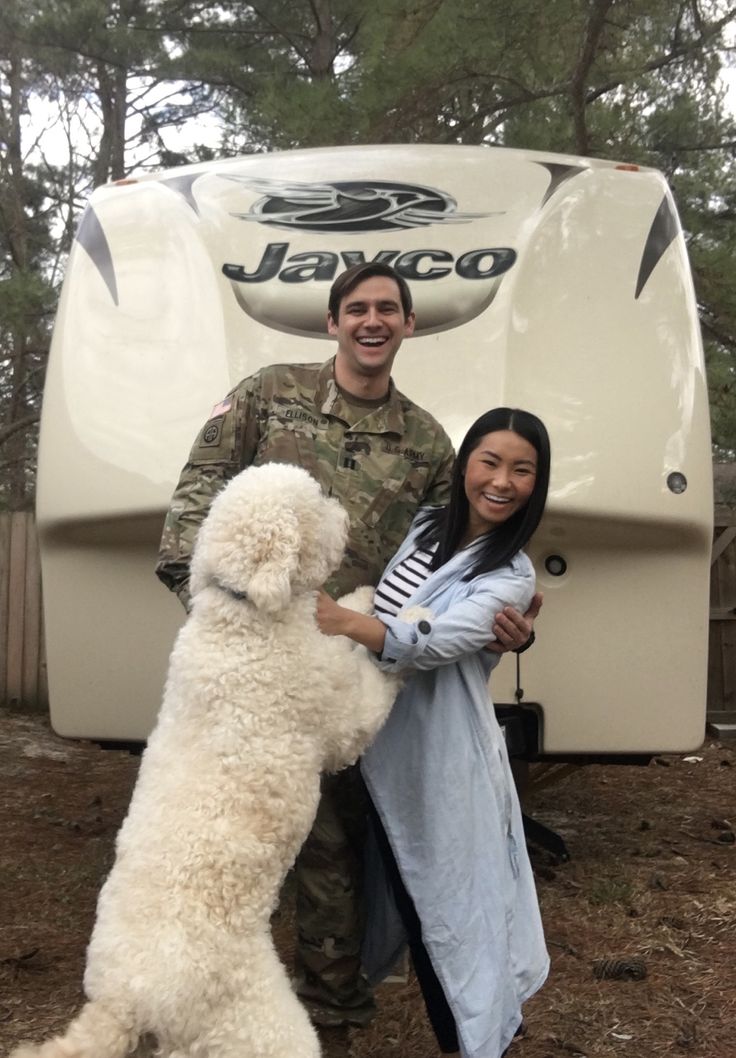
point(270, 533)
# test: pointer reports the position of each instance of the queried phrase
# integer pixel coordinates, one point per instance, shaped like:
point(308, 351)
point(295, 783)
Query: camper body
point(556, 284)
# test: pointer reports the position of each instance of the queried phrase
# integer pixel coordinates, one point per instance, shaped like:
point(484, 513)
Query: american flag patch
point(221, 408)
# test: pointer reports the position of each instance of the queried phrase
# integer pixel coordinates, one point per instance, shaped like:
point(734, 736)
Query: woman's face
point(499, 479)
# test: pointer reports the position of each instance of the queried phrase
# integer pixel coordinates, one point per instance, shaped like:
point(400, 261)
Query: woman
point(451, 853)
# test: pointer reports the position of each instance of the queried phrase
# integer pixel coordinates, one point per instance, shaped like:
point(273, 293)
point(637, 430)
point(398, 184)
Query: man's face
point(370, 327)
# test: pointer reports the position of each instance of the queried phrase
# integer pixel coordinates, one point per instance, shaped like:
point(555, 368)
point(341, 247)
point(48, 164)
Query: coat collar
point(438, 581)
point(386, 418)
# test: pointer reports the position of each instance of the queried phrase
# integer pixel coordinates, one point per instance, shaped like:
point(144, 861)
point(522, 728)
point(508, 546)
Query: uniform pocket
point(289, 442)
point(388, 494)
point(396, 498)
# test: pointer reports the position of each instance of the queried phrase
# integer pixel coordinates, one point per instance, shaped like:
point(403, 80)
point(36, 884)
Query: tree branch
point(583, 66)
point(6, 432)
point(679, 51)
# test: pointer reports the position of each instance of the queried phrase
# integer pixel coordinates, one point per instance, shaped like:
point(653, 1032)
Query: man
point(382, 456)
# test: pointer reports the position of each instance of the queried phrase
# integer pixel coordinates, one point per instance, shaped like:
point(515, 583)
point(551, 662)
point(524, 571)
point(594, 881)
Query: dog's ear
point(269, 588)
point(269, 585)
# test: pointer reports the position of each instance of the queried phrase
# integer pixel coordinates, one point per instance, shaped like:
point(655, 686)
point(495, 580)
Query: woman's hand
point(331, 618)
point(335, 620)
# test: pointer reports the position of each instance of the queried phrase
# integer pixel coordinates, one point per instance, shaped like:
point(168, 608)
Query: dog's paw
point(360, 600)
point(337, 761)
point(415, 613)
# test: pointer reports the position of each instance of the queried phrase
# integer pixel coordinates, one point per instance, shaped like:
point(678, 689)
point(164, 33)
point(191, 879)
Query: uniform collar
point(386, 418)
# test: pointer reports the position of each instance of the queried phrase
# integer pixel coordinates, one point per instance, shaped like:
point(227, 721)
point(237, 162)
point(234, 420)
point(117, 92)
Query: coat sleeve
point(225, 445)
point(463, 629)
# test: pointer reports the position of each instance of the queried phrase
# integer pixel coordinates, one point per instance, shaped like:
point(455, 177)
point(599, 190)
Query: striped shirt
point(394, 591)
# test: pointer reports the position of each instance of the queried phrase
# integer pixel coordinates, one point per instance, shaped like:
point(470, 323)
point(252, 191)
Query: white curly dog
point(257, 703)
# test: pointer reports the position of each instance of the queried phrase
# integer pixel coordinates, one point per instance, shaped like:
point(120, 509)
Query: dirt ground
point(640, 922)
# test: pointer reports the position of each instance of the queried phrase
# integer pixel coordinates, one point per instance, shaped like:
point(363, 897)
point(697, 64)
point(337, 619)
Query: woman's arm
point(336, 620)
point(461, 629)
point(429, 642)
point(458, 632)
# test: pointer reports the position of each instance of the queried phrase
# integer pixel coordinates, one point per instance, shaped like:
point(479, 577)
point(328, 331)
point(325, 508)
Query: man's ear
point(331, 324)
point(409, 324)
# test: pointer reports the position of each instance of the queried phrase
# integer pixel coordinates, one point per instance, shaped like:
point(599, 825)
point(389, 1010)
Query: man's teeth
point(371, 341)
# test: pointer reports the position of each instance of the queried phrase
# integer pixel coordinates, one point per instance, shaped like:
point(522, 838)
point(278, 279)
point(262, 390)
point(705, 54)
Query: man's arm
point(225, 445)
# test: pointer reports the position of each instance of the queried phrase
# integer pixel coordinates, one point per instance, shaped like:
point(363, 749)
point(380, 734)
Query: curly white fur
point(257, 703)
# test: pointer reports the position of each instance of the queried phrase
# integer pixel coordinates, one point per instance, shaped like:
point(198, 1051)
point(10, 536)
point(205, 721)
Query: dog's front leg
point(361, 705)
point(360, 600)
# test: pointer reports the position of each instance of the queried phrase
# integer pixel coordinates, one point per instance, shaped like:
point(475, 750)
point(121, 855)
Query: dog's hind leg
point(260, 1017)
point(262, 1040)
point(99, 1031)
point(148, 1047)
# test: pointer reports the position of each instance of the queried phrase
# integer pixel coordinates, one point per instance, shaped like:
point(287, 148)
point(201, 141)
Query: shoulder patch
point(222, 408)
point(211, 433)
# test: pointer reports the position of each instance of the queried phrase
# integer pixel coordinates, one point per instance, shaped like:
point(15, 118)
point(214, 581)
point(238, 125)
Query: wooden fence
point(22, 660)
point(22, 657)
point(722, 650)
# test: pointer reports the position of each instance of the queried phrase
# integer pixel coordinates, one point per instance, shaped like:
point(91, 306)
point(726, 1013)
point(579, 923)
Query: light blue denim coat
point(439, 776)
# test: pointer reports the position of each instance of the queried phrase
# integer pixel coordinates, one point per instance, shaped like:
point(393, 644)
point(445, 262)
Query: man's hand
point(512, 629)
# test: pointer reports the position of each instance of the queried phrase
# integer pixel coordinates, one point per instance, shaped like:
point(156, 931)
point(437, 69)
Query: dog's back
point(256, 702)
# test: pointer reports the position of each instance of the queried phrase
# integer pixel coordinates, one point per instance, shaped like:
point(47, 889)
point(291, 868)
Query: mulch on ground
point(640, 923)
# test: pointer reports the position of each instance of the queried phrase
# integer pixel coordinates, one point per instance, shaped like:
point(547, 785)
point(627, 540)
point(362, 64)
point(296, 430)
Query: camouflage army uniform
point(381, 460)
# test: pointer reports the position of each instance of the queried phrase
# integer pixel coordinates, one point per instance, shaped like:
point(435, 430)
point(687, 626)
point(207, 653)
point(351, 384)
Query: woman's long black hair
point(447, 526)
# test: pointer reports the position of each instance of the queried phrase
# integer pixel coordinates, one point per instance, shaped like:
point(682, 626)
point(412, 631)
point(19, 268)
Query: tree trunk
point(16, 233)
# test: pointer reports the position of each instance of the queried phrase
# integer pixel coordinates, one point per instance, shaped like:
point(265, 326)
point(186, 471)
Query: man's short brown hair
point(347, 281)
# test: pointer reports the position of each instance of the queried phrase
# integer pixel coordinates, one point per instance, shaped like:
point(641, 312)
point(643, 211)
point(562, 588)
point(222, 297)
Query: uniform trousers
point(330, 909)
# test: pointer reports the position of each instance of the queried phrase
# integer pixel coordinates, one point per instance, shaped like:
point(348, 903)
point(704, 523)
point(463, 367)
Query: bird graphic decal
point(350, 205)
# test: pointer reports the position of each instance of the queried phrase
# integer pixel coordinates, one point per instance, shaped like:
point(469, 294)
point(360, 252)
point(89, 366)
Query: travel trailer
point(557, 284)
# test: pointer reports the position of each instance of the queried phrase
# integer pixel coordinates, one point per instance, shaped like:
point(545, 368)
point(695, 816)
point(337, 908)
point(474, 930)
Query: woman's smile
point(499, 479)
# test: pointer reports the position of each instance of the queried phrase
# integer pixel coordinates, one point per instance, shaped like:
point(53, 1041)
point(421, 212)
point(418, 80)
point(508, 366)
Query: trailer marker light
point(677, 482)
point(555, 565)
point(628, 167)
